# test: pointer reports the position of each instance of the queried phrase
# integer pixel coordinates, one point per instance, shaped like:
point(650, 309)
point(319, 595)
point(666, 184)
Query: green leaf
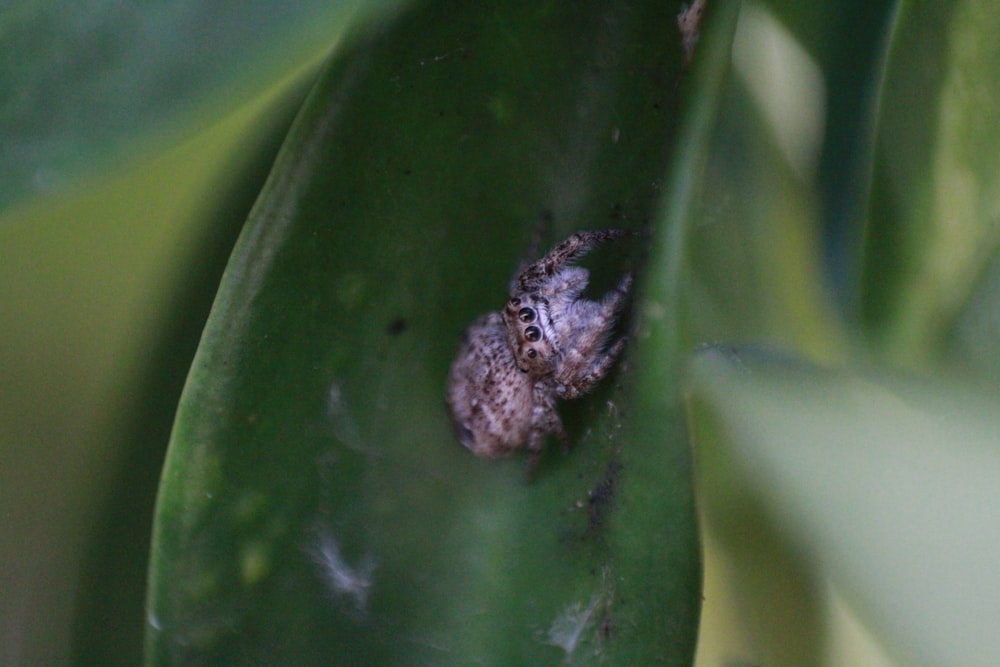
point(315, 506)
point(90, 86)
point(846, 41)
point(887, 483)
point(933, 230)
point(755, 248)
point(108, 625)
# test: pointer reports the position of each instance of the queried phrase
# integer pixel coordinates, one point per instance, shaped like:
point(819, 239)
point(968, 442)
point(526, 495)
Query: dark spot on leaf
point(602, 496)
point(607, 627)
point(396, 327)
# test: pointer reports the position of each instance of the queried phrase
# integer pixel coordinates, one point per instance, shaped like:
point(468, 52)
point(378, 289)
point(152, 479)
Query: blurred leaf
point(755, 258)
point(846, 42)
point(109, 619)
point(91, 287)
point(888, 483)
point(755, 249)
point(315, 506)
point(88, 85)
point(936, 194)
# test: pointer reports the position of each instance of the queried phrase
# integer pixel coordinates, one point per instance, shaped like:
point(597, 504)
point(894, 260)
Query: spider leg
point(578, 374)
point(567, 284)
point(597, 320)
point(544, 420)
point(539, 273)
point(583, 364)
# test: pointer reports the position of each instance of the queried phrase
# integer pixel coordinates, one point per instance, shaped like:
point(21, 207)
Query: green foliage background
point(823, 215)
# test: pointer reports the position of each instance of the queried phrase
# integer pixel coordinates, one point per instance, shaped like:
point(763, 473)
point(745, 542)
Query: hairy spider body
point(492, 401)
point(547, 343)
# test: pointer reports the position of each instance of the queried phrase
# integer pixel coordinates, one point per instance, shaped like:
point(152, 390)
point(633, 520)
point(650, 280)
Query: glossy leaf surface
point(315, 506)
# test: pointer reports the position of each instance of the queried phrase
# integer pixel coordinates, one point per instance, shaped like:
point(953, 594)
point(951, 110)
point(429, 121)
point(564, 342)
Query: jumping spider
point(546, 343)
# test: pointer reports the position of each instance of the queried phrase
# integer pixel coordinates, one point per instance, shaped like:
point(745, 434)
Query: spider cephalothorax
point(547, 343)
point(530, 334)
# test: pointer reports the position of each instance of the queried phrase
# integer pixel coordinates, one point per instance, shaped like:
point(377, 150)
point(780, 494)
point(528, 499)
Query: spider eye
point(515, 302)
point(532, 334)
point(532, 353)
point(526, 315)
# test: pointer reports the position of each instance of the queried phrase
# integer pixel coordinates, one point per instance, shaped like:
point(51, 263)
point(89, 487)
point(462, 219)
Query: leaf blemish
point(344, 582)
point(573, 626)
point(689, 23)
point(396, 326)
point(600, 498)
point(344, 427)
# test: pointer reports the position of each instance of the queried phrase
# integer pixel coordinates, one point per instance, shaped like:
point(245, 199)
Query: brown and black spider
point(547, 343)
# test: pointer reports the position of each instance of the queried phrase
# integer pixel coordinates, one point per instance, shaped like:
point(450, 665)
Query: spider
point(547, 343)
